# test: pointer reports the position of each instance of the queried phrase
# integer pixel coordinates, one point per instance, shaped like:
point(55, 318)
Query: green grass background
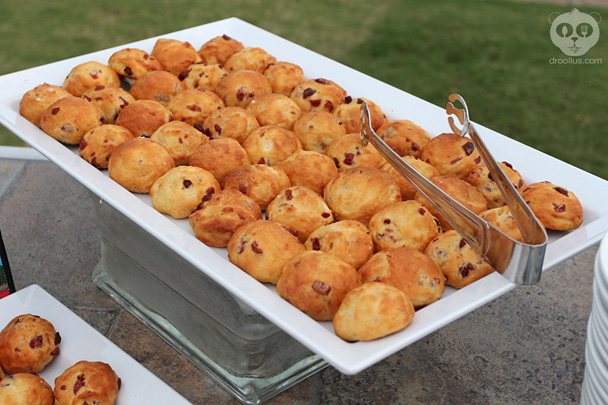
point(495, 53)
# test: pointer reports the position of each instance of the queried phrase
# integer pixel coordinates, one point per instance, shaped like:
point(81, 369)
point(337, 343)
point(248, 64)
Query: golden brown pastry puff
point(28, 343)
point(220, 214)
point(35, 101)
point(316, 282)
point(348, 152)
point(260, 182)
point(372, 311)
point(409, 270)
point(137, 163)
point(502, 218)
point(408, 191)
point(404, 137)
point(349, 113)
point(96, 146)
point(275, 109)
point(69, 118)
point(284, 77)
point(349, 240)
point(452, 154)
point(90, 74)
point(202, 75)
point(311, 169)
point(301, 209)
point(25, 389)
point(217, 50)
point(404, 223)
point(143, 117)
point(483, 181)
point(318, 95)
point(111, 100)
point(194, 106)
point(261, 248)
point(175, 56)
point(181, 189)
point(360, 192)
point(458, 261)
point(239, 88)
point(230, 122)
point(133, 63)
point(92, 382)
point(159, 86)
point(555, 206)
point(219, 156)
point(250, 58)
point(180, 139)
point(317, 130)
point(271, 145)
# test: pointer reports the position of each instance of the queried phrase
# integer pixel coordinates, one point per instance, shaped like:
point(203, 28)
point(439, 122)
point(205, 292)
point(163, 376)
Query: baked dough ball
point(317, 130)
point(459, 262)
point(318, 95)
point(372, 311)
point(249, 58)
point(133, 63)
point(452, 154)
point(408, 191)
point(404, 137)
point(202, 75)
point(69, 118)
point(349, 240)
point(175, 56)
point(275, 109)
point(404, 223)
point(143, 117)
point(28, 343)
point(194, 106)
point(25, 389)
point(481, 179)
point(555, 207)
point(360, 192)
point(502, 218)
point(159, 86)
point(239, 88)
point(349, 113)
point(110, 100)
point(181, 189)
point(35, 101)
point(348, 152)
point(284, 77)
point(460, 191)
point(301, 209)
point(137, 163)
point(271, 145)
point(220, 214)
point(96, 146)
point(90, 382)
point(219, 156)
point(260, 182)
point(310, 169)
point(316, 283)
point(217, 50)
point(409, 270)
point(261, 248)
point(90, 74)
point(180, 139)
point(230, 122)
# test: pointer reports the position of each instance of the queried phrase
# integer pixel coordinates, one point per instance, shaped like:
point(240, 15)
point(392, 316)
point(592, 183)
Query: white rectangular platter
point(349, 358)
point(79, 341)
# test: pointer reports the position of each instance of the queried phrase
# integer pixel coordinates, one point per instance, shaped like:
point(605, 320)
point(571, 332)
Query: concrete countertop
point(527, 346)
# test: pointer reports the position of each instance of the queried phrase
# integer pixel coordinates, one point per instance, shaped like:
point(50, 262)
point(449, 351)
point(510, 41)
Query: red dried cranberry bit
point(55, 352)
point(226, 37)
point(128, 71)
point(321, 287)
point(387, 221)
point(243, 188)
point(55, 110)
point(240, 94)
point(315, 103)
point(83, 144)
point(453, 162)
point(86, 97)
point(421, 211)
point(217, 128)
point(57, 338)
point(207, 197)
point(508, 165)
point(79, 383)
point(323, 81)
point(291, 231)
point(288, 194)
point(124, 103)
point(100, 87)
point(316, 245)
point(348, 99)
point(462, 243)
point(465, 269)
point(559, 207)
point(348, 158)
point(210, 190)
point(187, 183)
point(329, 106)
point(415, 148)
point(562, 191)
point(63, 387)
point(326, 215)
point(184, 74)
point(477, 160)
point(36, 341)
point(194, 107)
point(337, 163)
point(262, 161)
point(308, 92)
point(256, 248)
point(468, 148)
point(377, 280)
point(359, 101)
point(199, 127)
point(119, 383)
point(95, 76)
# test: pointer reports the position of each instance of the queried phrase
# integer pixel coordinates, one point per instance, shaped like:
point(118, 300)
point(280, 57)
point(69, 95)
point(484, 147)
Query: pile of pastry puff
point(269, 164)
point(28, 343)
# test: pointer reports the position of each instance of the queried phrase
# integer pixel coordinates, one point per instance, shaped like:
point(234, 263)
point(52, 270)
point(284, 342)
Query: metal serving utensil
point(519, 262)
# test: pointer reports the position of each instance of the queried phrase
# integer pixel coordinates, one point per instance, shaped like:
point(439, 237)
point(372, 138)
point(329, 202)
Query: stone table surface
point(527, 346)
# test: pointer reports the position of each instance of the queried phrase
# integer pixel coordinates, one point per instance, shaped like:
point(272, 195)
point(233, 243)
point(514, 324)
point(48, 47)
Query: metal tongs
point(519, 262)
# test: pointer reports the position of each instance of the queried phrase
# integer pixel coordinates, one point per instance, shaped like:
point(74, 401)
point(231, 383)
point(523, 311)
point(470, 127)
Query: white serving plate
point(79, 341)
point(349, 358)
